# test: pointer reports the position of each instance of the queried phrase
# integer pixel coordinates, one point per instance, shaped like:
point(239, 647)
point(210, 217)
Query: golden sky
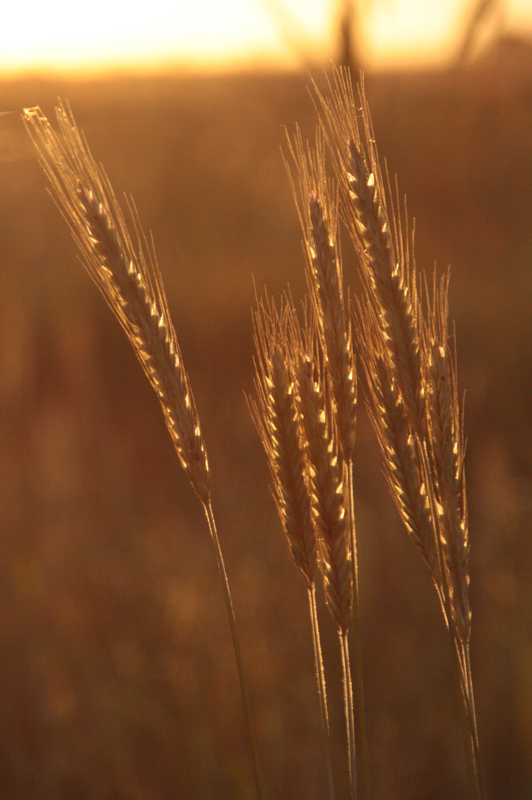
point(124, 34)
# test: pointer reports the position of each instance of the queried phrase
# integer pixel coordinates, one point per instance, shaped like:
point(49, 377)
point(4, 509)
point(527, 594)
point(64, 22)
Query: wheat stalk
point(279, 423)
point(296, 418)
point(329, 479)
point(411, 376)
point(316, 200)
point(126, 272)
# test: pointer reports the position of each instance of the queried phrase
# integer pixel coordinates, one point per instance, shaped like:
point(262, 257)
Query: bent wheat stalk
point(126, 272)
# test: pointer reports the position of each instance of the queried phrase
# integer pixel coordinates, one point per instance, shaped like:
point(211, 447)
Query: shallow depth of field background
point(117, 677)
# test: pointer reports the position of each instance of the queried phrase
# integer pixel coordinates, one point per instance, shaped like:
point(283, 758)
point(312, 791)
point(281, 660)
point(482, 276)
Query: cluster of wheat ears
point(306, 386)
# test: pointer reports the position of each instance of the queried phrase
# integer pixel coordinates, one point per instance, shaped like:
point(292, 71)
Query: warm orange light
point(413, 31)
point(107, 34)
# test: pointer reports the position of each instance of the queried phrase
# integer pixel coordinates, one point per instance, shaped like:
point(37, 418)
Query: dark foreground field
point(117, 678)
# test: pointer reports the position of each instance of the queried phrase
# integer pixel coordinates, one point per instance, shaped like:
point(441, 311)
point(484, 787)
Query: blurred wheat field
point(117, 672)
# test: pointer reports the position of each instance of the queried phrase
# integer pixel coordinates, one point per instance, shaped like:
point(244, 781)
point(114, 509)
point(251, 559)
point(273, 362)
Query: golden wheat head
point(125, 269)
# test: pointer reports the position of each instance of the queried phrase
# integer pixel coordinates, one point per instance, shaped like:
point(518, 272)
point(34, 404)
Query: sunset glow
point(115, 34)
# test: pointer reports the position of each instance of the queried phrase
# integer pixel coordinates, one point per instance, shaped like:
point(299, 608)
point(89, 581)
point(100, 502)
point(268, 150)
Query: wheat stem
point(461, 666)
point(236, 644)
point(357, 639)
point(130, 281)
point(278, 421)
point(349, 713)
point(467, 717)
point(322, 688)
point(473, 719)
point(412, 378)
point(317, 203)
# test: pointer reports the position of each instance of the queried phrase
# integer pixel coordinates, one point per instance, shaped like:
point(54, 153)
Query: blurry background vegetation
point(117, 678)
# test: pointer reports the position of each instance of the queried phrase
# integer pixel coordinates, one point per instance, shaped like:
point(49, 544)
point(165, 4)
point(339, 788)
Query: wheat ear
point(328, 477)
point(384, 263)
point(328, 480)
point(317, 204)
point(278, 421)
point(447, 449)
point(390, 421)
point(126, 272)
point(127, 275)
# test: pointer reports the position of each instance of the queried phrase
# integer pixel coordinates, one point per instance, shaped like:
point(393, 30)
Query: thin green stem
point(357, 637)
point(322, 691)
point(349, 714)
point(236, 645)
